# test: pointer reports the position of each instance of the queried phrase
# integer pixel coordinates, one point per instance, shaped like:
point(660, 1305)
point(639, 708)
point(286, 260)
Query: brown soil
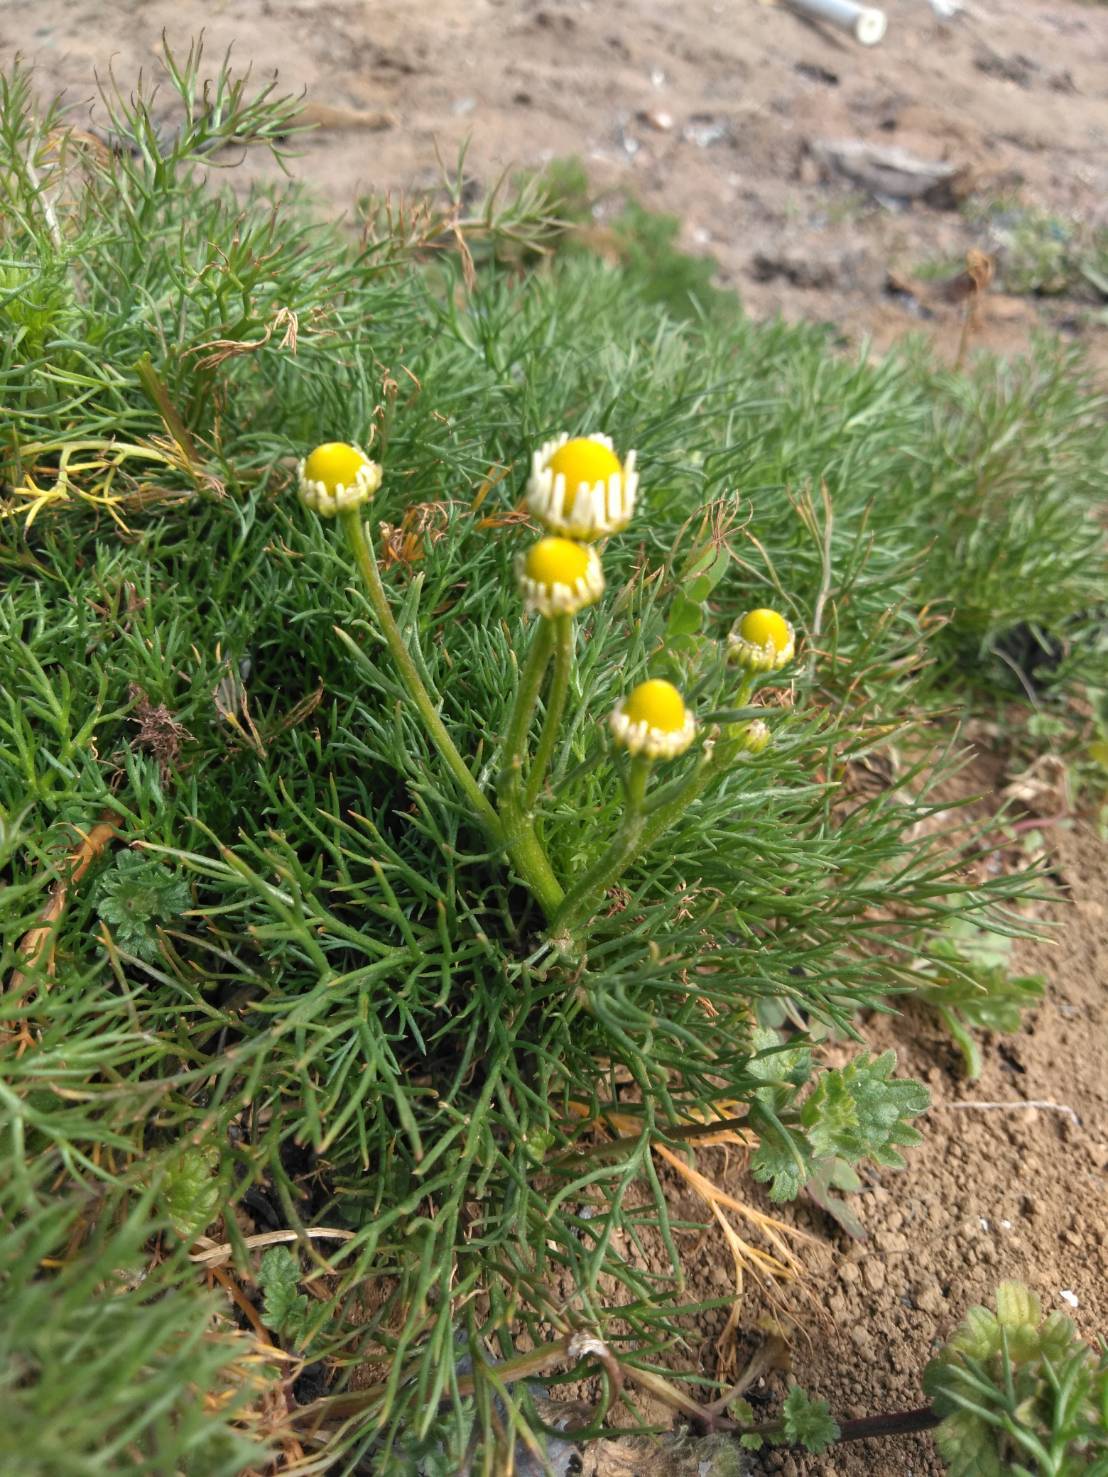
point(1016, 1191)
point(707, 110)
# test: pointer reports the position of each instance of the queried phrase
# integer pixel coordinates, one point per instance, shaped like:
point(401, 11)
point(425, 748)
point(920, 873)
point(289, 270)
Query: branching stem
point(509, 831)
point(520, 841)
point(624, 848)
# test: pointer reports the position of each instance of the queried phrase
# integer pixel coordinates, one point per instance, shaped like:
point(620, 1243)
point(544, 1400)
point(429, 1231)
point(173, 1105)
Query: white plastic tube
point(864, 22)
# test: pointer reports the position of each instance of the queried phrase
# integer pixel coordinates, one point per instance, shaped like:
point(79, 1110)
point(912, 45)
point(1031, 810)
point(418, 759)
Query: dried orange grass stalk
point(39, 941)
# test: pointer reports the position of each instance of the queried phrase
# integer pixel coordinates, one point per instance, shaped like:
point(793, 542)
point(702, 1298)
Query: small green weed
point(973, 988)
point(135, 896)
point(642, 241)
point(285, 1307)
point(1013, 1394)
point(1036, 252)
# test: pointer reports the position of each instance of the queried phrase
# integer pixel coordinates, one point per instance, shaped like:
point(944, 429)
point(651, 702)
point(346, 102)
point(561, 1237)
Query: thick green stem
point(510, 779)
point(555, 707)
point(520, 841)
point(624, 848)
point(410, 678)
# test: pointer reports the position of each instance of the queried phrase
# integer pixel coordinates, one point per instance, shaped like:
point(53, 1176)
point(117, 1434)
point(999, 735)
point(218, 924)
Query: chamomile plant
point(582, 492)
point(479, 863)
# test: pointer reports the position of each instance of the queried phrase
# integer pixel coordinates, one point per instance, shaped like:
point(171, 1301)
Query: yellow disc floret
point(556, 561)
point(583, 463)
point(335, 464)
point(337, 476)
point(762, 641)
point(559, 577)
point(657, 703)
point(764, 626)
point(653, 720)
point(580, 489)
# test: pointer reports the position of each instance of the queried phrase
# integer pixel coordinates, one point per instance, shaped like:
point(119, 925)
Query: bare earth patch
point(718, 111)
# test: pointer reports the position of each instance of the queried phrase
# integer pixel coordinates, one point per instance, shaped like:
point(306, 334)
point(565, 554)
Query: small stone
point(808, 171)
point(657, 118)
point(790, 1469)
point(895, 1221)
point(848, 1273)
point(928, 1298)
point(891, 1241)
point(873, 1271)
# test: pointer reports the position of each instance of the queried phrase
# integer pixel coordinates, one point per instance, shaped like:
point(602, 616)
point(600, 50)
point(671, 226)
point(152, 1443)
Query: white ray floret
point(559, 581)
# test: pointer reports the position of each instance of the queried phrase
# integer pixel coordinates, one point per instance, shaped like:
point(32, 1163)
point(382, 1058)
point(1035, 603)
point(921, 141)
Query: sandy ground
point(714, 110)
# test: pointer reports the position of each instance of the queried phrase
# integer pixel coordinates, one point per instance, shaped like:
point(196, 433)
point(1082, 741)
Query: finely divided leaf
point(808, 1421)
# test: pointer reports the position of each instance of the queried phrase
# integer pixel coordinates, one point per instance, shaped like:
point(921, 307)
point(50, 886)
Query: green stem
point(624, 848)
point(660, 820)
point(971, 1052)
point(520, 841)
point(412, 682)
point(510, 779)
point(555, 707)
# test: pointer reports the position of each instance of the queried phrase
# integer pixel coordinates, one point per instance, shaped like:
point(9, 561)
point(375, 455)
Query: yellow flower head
point(579, 488)
point(653, 720)
point(337, 476)
point(763, 641)
point(558, 577)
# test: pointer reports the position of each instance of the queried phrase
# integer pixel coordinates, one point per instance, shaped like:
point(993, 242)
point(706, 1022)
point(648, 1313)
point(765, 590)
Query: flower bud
point(559, 577)
point(336, 477)
point(578, 488)
point(762, 641)
point(653, 720)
